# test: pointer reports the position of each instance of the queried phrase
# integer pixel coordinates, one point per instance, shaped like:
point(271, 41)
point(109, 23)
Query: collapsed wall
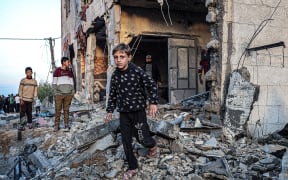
point(253, 36)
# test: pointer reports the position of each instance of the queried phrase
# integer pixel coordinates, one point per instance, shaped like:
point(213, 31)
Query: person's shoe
point(129, 174)
point(56, 129)
point(152, 152)
point(66, 129)
point(21, 128)
point(30, 126)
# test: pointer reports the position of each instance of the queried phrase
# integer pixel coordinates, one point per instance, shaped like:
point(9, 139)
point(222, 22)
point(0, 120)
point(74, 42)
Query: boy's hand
point(108, 117)
point(153, 110)
point(21, 102)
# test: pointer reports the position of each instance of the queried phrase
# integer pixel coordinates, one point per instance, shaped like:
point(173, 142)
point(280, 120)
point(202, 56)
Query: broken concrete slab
point(197, 99)
point(40, 161)
point(112, 173)
point(89, 136)
point(180, 118)
point(216, 167)
point(284, 171)
point(212, 143)
point(163, 128)
point(275, 149)
point(240, 98)
point(214, 153)
point(102, 144)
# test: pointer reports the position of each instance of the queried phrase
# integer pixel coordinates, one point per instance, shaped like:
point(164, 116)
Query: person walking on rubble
point(127, 92)
point(27, 94)
point(63, 89)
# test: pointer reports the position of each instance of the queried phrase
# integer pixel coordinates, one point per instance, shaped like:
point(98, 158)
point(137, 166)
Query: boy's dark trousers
point(26, 108)
point(134, 124)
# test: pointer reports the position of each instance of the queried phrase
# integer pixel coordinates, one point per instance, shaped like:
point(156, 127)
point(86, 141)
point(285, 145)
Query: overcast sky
point(36, 19)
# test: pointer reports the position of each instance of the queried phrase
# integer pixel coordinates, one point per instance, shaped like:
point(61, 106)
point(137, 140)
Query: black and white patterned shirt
point(128, 90)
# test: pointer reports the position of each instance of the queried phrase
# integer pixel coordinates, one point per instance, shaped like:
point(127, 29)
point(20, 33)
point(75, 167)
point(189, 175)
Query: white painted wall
point(266, 67)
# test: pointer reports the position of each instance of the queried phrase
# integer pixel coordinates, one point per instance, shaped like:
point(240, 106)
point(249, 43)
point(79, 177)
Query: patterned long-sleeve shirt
point(130, 89)
point(28, 89)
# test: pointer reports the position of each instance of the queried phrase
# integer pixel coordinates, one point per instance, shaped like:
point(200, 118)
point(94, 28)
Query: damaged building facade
point(246, 41)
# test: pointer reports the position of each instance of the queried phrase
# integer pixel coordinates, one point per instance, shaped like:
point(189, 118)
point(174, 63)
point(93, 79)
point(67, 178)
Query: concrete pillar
point(113, 38)
point(78, 71)
point(215, 70)
point(89, 67)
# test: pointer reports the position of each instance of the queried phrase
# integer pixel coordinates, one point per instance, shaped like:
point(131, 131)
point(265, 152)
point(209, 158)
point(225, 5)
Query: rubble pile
point(190, 146)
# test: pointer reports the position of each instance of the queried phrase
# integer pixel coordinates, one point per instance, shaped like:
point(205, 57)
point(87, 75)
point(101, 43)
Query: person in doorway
point(204, 68)
point(63, 89)
point(37, 106)
point(27, 94)
point(152, 69)
point(128, 86)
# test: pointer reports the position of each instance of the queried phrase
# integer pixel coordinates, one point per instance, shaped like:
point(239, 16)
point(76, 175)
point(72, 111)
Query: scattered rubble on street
point(190, 141)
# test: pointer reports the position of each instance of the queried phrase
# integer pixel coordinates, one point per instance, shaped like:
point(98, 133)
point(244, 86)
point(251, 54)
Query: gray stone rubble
point(190, 142)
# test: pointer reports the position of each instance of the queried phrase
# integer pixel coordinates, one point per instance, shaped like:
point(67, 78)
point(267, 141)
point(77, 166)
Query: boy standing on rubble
point(28, 94)
point(127, 92)
point(63, 89)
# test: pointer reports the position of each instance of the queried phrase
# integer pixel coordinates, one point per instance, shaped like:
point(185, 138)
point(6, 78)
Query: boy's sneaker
point(56, 129)
point(152, 152)
point(21, 128)
point(30, 126)
point(66, 129)
point(129, 174)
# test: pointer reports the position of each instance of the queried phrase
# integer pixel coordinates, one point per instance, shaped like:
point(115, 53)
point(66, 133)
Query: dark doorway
point(157, 48)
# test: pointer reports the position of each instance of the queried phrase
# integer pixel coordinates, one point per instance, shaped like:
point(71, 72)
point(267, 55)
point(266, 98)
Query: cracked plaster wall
point(267, 68)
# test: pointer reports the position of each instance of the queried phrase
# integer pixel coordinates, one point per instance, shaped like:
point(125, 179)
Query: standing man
point(17, 101)
point(152, 69)
point(37, 106)
point(204, 67)
point(28, 94)
point(129, 83)
point(63, 89)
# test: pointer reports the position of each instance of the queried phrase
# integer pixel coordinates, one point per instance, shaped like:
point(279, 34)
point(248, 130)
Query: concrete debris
point(240, 98)
point(211, 16)
point(87, 137)
point(102, 144)
point(197, 100)
point(214, 44)
point(190, 146)
point(163, 128)
point(210, 3)
point(40, 161)
point(276, 150)
point(284, 171)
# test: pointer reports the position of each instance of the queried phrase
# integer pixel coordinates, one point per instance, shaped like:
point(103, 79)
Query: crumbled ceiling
point(183, 5)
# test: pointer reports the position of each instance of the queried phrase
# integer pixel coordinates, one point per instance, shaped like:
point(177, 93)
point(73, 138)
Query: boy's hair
point(63, 59)
point(122, 47)
point(27, 69)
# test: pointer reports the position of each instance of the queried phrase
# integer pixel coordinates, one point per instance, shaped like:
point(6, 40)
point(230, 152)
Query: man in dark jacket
point(152, 69)
point(129, 83)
